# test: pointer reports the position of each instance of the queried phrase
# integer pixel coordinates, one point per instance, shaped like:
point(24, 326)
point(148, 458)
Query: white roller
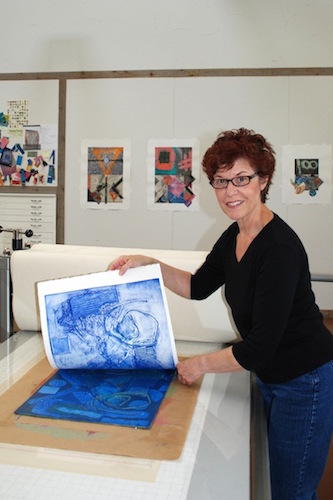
point(207, 320)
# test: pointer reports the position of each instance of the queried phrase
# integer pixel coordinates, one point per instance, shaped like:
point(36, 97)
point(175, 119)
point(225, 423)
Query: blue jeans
point(300, 425)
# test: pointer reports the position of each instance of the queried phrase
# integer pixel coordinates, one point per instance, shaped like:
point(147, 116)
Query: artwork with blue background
point(110, 338)
point(121, 326)
point(120, 397)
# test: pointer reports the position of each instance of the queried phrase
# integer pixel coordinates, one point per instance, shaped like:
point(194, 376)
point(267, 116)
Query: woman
point(265, 270)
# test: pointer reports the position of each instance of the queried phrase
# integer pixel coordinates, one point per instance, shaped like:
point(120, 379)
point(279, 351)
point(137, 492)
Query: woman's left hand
point(221, 361)
point(189, 370)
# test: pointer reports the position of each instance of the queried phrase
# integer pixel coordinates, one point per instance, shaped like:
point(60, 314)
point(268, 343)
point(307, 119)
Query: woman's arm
point(176, 280)
point(179, 281)
point(222, 361)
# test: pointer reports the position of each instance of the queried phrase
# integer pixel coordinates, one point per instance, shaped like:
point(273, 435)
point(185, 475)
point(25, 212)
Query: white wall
point(133, 109)
point(75, 35)
point(66, 35)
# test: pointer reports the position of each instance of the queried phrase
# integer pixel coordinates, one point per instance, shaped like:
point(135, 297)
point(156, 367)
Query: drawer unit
point(24, 211)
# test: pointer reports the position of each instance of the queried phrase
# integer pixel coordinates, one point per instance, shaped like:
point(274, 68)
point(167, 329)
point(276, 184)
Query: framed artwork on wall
point(105, 173)
point(307, 174)
point(173, 173)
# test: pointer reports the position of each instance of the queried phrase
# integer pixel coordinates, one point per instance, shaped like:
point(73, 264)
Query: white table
point(215, 462)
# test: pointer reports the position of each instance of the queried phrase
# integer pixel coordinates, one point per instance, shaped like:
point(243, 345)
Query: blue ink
point(120, 397)
point(120, 326)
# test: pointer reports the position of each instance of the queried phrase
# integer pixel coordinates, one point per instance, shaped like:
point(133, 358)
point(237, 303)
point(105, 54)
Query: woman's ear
point(263, 182)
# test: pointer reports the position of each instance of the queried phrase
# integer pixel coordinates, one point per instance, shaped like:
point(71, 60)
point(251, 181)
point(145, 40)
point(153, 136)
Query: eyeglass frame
point(249, 177)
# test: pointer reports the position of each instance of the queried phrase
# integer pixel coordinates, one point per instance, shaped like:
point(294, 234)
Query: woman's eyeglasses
point(240, 181)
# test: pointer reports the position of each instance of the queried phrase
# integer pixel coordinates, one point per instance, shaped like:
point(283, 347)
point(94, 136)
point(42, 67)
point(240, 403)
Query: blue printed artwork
point(119, 397)
point(111, 339)
point(124, 325)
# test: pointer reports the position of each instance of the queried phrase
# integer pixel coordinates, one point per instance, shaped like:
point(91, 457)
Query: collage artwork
point(105, 175)
point(173, 175)
point(27, 152)
point(172, 171)
point(28, 157)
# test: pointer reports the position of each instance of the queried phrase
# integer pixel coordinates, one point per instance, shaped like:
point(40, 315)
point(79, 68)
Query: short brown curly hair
point(242, 143)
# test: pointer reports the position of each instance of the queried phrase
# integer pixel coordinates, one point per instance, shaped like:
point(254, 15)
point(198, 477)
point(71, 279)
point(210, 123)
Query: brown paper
point(163, 441)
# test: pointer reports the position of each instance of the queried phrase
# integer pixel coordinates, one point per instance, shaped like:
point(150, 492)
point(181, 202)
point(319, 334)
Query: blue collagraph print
point(119, 397)
point(122, 326)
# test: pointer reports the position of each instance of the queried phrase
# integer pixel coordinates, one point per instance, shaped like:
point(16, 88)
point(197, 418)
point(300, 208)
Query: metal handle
point(17, 243)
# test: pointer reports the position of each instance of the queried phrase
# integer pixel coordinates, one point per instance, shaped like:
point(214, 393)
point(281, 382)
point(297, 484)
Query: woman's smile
point(233, 204)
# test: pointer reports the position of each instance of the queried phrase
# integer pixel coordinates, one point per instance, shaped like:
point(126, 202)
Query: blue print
point(120, 397)
point(120, 326)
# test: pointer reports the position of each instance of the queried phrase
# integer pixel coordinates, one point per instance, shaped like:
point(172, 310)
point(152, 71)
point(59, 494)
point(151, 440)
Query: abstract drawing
point(111, 339)
point(173, 174)
point(105, 171)
point(96, 322)
point(307, 174)
point(119, 397)
point(28, 156)
point(173, 171)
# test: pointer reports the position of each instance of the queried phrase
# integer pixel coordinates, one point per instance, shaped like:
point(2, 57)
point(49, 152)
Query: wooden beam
point(61, 161)
point(170, 73)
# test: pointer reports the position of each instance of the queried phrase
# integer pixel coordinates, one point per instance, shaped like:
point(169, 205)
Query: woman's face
point(240, 203)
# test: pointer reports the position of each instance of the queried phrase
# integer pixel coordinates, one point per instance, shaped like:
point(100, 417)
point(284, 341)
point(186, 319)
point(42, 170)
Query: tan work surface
point(163, 441)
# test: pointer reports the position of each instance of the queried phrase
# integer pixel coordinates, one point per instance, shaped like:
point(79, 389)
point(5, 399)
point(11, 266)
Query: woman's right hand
point(176, 280)
point(125, 262)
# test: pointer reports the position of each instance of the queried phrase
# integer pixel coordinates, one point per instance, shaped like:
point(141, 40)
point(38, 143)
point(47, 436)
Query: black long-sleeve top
point(273, 306)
